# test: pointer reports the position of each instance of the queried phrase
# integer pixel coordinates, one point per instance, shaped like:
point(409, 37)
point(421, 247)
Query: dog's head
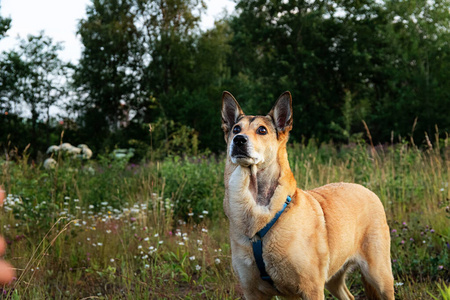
point(255, 140)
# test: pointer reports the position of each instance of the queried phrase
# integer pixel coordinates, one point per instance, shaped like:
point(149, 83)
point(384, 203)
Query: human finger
point(2, 245)
point(7, 272)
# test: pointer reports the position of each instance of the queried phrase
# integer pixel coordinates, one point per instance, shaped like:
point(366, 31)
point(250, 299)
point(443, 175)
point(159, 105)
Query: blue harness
point(257, 244)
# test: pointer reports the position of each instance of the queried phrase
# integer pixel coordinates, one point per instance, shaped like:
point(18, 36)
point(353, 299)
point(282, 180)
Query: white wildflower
point(50, 163)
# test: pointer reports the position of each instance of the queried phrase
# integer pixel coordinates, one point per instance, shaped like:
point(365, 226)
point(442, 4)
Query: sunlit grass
point(113, 230)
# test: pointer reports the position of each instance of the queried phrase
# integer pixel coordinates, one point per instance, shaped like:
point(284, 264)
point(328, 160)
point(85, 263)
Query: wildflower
point(411, 239)
point(100, 244)
point(52, 149)
point(440, 267)
point(402, 242)
point(190, 214)
point(111, 260)
point(192, 257)
point(197, 267)
point(146, 239)
point(200, 216)
point(394, 230)
point(399, 283)
point(442, 189)
point(204, 230)
point(432, 230)
point(217, 261)
point(156, 235)
point(404, 224)
point(146, 266)
point(145, 256)
point(160, 242)
point(205, 212)
point(50, 163)
point(200, 249)
point(140, 247)
point(181, 243)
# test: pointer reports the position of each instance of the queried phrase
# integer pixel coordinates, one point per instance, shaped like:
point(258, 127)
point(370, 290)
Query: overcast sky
point(59, 19)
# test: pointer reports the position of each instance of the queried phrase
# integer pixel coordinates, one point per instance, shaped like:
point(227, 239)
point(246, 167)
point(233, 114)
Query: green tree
point(392, 57)
point(109, 72)
point(35, 77)
point(5, 24)
point(187, 67)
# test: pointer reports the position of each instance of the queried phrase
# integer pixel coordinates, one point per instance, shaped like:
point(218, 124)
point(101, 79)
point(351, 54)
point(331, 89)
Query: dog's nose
point(240, 140)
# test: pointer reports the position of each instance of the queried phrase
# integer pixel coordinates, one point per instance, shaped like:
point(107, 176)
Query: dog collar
point(258, 247)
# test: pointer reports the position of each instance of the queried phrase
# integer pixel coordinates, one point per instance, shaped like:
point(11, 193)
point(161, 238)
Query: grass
point(108, 229)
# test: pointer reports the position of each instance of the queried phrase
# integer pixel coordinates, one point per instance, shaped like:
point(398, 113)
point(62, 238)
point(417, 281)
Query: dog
point(319, 235)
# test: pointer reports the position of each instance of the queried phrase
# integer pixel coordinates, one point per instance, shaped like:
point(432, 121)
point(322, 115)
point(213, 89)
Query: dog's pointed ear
point(230, 112)
point(281, 113)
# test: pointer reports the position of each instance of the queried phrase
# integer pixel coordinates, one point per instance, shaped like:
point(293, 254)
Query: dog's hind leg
point(375, 264)
point(336, 285)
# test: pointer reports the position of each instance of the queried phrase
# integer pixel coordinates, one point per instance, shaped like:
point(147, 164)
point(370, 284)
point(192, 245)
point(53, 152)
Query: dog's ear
point(281, 113)
point(230, 112)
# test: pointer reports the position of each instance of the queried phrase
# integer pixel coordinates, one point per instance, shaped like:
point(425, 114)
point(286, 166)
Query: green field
point(110, 229)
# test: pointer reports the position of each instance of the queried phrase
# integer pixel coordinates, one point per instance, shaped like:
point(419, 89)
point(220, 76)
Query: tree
point(5, 24)
point(35, 77)
point(383, 61)
point(187, 67)
point(109, 72)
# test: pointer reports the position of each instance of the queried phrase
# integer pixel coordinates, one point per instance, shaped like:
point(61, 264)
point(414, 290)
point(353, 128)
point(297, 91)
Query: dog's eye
point(261, 130)
point(236, 129)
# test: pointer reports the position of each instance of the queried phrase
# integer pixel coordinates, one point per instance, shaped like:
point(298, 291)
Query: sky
point(59, 19)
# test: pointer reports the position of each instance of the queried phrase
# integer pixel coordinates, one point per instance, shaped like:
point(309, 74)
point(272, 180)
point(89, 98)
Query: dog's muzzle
point(242, 151)
point(239, 147)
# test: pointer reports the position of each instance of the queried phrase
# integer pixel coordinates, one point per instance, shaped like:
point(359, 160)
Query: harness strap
point(258, 246)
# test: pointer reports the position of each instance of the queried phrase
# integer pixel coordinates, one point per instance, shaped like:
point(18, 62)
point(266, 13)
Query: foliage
point(107, 76)
point(388, 55)
point(5, 24)
point(148, 62)
point(33, 75)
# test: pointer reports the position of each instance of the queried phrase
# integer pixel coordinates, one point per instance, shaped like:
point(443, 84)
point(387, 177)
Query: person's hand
point(7, 272)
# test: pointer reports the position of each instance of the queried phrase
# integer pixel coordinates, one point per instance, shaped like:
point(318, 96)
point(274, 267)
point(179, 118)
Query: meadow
point(111, 229)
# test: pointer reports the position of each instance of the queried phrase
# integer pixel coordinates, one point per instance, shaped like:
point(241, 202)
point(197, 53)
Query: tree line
point(150, 78)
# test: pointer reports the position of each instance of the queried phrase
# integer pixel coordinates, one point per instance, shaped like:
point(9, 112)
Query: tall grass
point(112, 230)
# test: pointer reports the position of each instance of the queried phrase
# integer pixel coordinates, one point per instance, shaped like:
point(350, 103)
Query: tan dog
point(320, 236)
